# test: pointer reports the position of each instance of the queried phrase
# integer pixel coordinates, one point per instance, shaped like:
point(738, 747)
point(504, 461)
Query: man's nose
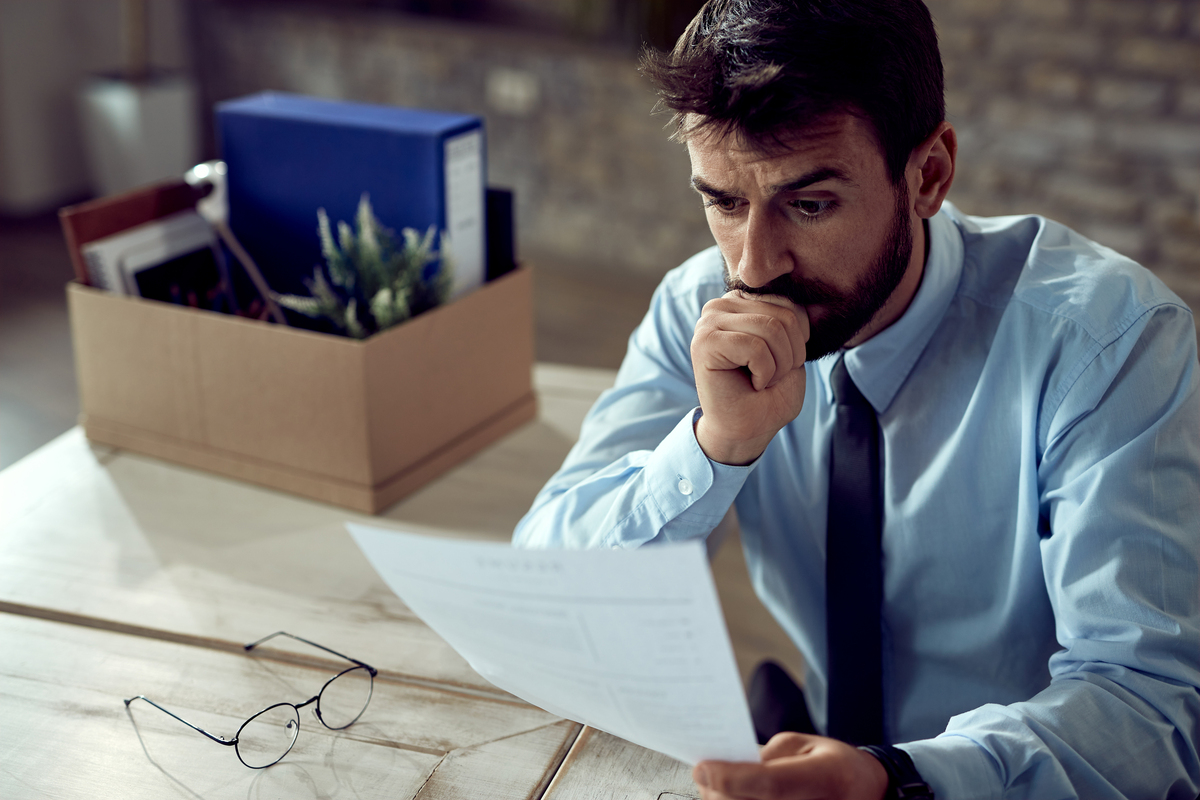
point(764, 254)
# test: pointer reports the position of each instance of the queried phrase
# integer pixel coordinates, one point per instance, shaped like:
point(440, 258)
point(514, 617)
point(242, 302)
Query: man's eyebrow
point(816, 176)
point(700, 185)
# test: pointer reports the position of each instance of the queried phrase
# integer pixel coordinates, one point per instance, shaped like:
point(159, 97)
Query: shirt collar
point(880, 365)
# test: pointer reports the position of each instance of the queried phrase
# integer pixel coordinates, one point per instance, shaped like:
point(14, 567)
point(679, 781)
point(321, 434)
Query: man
point(1014, 409)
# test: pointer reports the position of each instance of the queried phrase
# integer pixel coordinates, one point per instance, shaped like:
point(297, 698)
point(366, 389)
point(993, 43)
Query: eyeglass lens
point(268, 735)
point(344, 698)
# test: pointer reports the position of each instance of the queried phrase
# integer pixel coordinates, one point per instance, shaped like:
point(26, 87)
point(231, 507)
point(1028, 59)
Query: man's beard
point(846, 314)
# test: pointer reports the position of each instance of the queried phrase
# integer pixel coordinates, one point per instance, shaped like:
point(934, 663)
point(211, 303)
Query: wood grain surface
point(602, 767)
point(123, 575)
point(68, 733)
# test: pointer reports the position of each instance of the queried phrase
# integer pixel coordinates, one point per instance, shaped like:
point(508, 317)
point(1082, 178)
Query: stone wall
point(1085, 110)
point(569, 125)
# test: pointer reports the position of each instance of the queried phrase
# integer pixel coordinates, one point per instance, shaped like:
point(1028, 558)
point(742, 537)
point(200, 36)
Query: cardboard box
point(358, 424)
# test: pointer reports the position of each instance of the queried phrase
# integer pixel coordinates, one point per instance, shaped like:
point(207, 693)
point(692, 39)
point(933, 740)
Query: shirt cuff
point(691, 492)
point(954, 766)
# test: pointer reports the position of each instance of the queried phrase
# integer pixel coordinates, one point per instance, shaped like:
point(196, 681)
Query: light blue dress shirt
point(1040, 411)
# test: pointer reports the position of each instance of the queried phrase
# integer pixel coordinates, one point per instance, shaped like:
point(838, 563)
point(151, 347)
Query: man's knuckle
point(707, 338)
point(774, 324)
point(790, 739)
point(718, 781)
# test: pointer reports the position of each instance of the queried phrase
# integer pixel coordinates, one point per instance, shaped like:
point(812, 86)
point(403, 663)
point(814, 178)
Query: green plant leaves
point(374, 282)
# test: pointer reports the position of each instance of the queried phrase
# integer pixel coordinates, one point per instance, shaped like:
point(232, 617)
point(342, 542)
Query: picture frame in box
point(174, 259)
point(98, 219)
point(355, 423)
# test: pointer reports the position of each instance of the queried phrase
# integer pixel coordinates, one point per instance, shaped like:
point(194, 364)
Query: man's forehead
point(840, 143)
point(707, 133)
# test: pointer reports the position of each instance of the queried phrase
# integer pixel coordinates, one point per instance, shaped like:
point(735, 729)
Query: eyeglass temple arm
point(217, 739)
point(368, 667)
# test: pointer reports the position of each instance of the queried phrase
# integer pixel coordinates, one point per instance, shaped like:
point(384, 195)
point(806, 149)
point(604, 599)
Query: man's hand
point(748, 355)
point(794, 766)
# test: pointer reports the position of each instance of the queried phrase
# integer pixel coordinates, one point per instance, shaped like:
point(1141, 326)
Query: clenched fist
point(748, 356)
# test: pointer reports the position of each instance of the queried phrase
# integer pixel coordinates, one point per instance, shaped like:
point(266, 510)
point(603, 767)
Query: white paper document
point(631, 642)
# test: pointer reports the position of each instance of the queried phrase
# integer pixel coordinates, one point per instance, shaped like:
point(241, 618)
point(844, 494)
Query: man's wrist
point(738, 453)
point(904, 782)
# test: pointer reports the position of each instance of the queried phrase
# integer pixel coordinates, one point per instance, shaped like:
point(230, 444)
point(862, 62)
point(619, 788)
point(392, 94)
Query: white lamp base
point(138, 133)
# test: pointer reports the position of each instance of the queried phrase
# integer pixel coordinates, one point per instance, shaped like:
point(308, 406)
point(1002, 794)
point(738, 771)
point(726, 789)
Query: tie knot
point(845, 393)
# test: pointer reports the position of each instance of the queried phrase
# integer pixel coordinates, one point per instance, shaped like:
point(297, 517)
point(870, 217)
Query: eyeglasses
point(268, 736)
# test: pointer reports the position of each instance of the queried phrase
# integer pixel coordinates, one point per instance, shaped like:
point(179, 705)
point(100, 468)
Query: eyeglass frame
point(295, 706)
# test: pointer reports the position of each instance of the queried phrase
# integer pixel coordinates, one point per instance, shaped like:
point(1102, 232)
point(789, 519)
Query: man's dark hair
point(764, 68)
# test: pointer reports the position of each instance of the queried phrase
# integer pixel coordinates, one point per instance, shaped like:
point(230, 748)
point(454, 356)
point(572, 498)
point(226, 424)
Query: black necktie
point(854, 568)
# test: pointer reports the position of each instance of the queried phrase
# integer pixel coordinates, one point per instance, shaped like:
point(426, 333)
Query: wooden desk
point(121, 575)
point(66, 731)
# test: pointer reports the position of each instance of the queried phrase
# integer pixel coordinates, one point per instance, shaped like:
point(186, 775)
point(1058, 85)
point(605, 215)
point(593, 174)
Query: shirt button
point(685, 486)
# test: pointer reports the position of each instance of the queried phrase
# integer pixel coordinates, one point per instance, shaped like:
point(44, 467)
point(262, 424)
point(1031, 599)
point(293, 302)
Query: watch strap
point(904, 782)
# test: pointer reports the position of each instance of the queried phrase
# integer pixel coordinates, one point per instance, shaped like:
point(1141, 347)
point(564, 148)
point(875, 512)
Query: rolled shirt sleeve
point(637, 474)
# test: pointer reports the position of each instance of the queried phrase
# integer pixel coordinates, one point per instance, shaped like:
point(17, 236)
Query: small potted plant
point(371, 281)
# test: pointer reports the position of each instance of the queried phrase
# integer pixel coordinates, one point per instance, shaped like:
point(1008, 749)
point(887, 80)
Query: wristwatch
point(904, 782)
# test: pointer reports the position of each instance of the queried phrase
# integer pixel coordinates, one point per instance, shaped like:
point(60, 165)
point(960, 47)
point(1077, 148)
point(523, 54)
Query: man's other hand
point(795, 766)
point(748, 355)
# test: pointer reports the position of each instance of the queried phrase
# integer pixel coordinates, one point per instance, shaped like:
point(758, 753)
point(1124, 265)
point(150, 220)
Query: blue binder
point(289, 155)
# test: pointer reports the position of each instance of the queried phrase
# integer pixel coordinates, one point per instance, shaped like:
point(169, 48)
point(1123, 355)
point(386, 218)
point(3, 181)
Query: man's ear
point(930, 170)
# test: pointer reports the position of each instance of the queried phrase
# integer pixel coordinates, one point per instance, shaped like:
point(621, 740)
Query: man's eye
point(725, 204)
point(812, 208)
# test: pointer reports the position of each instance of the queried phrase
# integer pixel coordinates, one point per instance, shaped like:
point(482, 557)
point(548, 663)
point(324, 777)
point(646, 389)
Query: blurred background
point(1087, 111)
